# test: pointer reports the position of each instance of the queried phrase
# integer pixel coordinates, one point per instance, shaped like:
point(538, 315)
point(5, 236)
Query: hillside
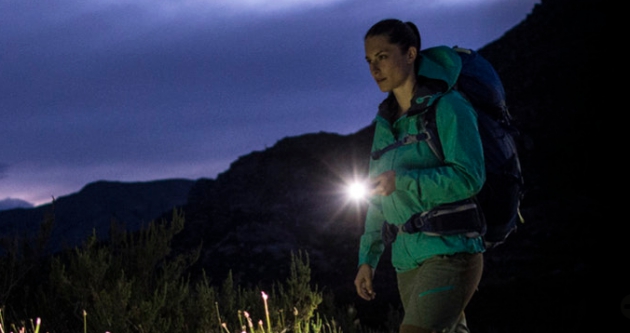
point(95, 207)
point(10, 203)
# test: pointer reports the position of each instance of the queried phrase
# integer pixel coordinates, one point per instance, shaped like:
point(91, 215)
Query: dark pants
point(435, 294)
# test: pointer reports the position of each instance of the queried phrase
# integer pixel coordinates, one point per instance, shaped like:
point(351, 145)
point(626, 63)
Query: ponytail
point(414, 28)
point(416, 32)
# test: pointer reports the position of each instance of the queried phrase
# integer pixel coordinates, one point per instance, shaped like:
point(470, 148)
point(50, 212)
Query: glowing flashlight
point(358, 190)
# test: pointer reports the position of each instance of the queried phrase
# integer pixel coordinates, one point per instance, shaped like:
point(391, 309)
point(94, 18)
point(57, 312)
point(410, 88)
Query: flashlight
point(359, 190)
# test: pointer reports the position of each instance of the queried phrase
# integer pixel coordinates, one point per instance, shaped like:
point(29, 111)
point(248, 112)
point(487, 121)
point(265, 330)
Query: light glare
point(357, 190)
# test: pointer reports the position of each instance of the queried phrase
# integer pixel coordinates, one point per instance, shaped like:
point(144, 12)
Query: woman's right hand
point(363, 282)
point(385, 183)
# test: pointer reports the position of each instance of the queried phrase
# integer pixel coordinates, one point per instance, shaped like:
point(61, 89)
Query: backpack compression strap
point(429, 135)
point(407, 140)
point(425, 98)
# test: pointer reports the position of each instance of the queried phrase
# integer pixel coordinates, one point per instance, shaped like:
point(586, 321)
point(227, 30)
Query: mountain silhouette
point(11, 203)
point(94, 208)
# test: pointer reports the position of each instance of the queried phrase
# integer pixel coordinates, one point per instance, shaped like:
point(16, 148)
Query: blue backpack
point(500, 197)
point(495, 210)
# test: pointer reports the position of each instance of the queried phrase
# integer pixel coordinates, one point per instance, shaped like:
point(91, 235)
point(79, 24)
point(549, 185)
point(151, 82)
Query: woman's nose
point(373, 68)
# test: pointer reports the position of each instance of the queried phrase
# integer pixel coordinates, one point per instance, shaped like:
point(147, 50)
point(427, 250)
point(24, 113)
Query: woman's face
point(389, 66)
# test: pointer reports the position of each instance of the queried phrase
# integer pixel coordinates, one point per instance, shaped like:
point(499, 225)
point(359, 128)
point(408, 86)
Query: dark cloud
point(137, 90)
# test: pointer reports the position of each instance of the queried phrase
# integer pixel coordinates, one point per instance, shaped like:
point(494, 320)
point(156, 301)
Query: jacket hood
point(438, 71)
point(440, 63)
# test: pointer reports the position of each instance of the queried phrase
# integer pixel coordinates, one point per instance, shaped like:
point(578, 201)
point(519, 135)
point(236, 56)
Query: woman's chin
point(384, 88)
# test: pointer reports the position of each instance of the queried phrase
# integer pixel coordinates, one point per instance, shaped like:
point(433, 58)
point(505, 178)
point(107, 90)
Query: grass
point(313, 326)
point(133, 283)
point(34, 326)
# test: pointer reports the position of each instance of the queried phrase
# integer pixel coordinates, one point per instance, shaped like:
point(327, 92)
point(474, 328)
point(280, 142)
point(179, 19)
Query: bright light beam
point(358, 190)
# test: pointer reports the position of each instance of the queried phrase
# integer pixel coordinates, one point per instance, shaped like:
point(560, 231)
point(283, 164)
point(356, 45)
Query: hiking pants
point(435, 294)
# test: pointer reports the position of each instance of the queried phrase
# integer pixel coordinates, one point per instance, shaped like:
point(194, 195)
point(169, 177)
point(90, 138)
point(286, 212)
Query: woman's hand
point(385, 183)
point(363, 282)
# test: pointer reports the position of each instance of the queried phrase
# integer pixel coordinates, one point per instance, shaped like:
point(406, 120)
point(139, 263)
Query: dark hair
point(403, 34)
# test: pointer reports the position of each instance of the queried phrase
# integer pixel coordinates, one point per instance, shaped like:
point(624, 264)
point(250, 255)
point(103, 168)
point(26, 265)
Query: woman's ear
point(412, 54)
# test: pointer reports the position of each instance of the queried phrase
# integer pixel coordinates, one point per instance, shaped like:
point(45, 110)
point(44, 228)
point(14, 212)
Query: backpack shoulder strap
point(429, 134)
point(407, 140)
point(433, 137)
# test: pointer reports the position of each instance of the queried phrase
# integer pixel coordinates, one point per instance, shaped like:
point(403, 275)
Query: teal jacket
point(423, 181)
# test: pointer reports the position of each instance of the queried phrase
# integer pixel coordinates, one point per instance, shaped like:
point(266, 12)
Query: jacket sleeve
point(371, 244)
point(463, 172)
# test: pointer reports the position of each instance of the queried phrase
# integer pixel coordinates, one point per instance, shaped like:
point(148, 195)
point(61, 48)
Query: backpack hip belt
point(461, 217)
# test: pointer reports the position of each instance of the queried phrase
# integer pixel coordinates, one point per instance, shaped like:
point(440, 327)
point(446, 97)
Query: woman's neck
point(403, 95)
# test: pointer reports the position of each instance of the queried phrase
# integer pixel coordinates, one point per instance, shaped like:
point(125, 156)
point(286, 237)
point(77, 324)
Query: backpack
point(495, 210)
point(500, 197)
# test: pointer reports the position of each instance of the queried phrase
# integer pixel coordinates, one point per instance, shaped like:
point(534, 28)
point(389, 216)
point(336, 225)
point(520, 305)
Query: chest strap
point(432, 140)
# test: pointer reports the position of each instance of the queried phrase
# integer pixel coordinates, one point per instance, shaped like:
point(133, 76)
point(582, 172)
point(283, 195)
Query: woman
point(437, 274)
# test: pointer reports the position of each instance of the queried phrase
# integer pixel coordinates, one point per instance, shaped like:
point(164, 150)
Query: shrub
point(134, 283)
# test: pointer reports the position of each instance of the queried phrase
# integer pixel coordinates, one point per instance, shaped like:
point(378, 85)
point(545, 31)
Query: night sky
point(138, 90)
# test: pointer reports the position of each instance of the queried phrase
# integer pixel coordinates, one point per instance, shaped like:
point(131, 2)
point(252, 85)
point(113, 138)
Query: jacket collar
point(426, 93)
point(437, 73)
